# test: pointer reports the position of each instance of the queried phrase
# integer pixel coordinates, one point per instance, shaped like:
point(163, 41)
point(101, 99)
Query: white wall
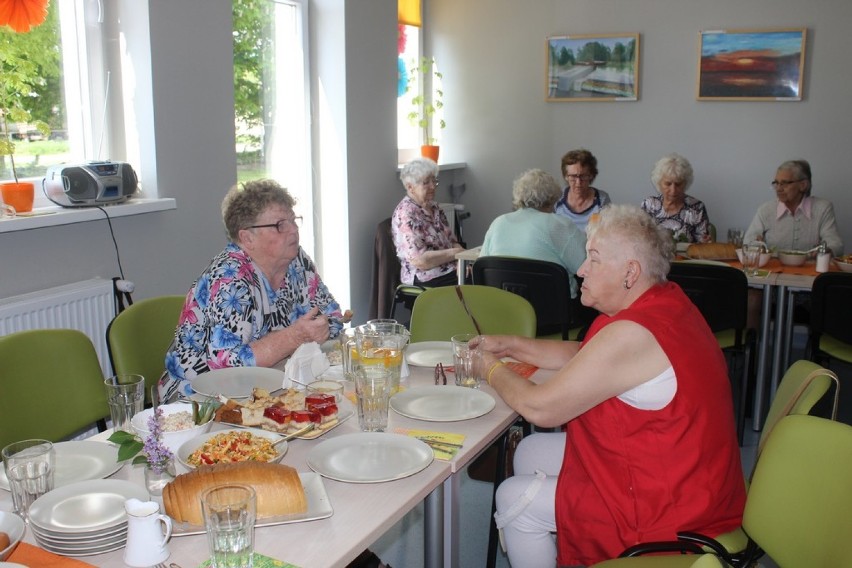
point(493, 56)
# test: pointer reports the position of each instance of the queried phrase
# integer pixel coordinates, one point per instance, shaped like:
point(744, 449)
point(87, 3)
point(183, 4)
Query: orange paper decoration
point(22, 15)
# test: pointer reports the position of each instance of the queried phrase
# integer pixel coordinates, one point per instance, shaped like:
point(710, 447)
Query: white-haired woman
point(425, 243)
point(532, 230)
point(642, 398)
point(683, 215)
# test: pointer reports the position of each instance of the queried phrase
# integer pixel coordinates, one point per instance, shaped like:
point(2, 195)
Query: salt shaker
point(823, 258)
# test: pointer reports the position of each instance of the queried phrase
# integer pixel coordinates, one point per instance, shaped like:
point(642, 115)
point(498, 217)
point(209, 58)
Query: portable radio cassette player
point(90, 184)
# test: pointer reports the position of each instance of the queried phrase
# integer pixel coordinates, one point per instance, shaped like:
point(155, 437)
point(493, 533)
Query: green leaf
point(122, 437)
point(129, 449)
point(139, 459)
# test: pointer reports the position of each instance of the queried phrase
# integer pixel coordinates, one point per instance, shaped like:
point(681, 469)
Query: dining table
point(362, 511)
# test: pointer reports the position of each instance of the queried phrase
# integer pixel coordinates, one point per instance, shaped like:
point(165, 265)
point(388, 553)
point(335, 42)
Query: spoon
point(298, 432)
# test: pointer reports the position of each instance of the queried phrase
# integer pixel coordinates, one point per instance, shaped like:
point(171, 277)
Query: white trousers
point(526, 501)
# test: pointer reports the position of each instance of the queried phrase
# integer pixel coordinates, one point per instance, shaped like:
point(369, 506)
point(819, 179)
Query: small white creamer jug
point(147, 534)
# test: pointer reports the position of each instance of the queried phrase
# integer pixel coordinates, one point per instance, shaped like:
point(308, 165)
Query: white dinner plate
point(79, 461)
point(429, 353)
point(237, 382)
point(319, 507)
point(369, 457)
point(442, 403)
point(86, 506)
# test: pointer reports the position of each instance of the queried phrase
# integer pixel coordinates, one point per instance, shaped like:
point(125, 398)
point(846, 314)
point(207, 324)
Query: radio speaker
point(90, 184)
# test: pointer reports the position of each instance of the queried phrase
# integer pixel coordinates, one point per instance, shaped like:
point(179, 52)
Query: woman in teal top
point(533, 230)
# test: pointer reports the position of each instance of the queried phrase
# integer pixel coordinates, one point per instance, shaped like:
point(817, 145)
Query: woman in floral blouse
point(258, 300)
point(425, 244)
point(682, 214)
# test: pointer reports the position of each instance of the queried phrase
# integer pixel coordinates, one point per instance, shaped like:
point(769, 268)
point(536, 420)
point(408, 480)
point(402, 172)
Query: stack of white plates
point(84, 518)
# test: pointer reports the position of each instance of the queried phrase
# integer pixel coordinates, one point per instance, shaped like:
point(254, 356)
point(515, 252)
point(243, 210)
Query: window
point(77, 91)
point(408, 135)
point(271, 99)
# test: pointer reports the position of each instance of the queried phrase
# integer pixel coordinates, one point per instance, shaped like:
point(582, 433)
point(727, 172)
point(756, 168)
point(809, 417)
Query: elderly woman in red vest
point(644, 397)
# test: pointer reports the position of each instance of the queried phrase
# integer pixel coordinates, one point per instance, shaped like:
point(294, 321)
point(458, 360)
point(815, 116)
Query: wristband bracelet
point(491, 370)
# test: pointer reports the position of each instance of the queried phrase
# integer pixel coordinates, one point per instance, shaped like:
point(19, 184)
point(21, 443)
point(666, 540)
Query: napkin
point(259, 561)
point(445, 445)
point(306, 363)
point(526, 370)
point(30, 555)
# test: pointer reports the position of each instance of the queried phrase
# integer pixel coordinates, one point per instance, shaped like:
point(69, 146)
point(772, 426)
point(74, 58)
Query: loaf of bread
point(712, 251)
point(278, 487)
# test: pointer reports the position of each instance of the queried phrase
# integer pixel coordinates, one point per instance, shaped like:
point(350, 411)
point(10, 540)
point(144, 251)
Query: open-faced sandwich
point(286, 413)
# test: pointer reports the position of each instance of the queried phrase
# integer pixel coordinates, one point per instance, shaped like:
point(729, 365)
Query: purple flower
point(157, 454)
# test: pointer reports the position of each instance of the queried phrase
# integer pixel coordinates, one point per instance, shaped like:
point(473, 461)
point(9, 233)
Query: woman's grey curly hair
point(245, 202)
point(535, 189)
point(417, 170)
point(673, 166)
point(652, 244)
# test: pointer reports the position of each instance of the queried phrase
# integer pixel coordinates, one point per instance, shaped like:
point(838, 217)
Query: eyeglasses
point(578, 178)
point(776, 183)
point(430, 181)
point(280, 226)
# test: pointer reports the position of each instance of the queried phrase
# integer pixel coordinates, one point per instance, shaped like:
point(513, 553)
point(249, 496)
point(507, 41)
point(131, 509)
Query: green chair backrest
point(139, 336)
point(790, 398)
point(51, 385)
point(798, 507)
point(438, 313)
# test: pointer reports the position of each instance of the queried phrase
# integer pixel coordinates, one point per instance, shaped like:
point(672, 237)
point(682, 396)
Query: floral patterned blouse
point(231, 305)
point(417, 230)
point(690, 223)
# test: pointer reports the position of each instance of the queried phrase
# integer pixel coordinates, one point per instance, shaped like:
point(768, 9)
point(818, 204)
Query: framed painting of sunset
point(751, 65)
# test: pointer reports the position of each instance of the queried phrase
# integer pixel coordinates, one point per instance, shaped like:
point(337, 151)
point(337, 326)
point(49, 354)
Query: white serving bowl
point(792, 257)
point(188, 447)
point(172, 440)
point(12, 525)
point(764, 258)
point(844, 263)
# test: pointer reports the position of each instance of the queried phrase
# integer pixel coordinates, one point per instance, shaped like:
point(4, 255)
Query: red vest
point(630, 475)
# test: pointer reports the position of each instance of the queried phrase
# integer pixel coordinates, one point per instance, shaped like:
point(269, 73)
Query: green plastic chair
point(830, 329)
point(802, 387)
point(139, 337)
point(438, 313)
point(798, 506)
point(52, 385)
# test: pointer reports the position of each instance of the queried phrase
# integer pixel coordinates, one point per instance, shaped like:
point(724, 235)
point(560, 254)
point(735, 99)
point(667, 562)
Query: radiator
point(87, 306)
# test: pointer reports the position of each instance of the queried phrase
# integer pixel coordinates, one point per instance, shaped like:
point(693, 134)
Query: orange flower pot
point(18, 195)
point(429, 151)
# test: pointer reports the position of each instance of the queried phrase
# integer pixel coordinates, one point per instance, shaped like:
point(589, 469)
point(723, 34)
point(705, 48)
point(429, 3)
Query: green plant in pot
point(424, 108)
point(20, 69)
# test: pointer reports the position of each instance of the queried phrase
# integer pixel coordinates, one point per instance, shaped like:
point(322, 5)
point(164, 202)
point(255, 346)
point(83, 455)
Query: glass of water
point(229, 515)
point(29, 466)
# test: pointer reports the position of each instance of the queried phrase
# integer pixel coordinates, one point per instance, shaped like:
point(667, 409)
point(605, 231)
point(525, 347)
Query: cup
point(147, 533)
point(372, 393)
point(382, 344)
point(125, 397)
point(229, 514)
point(751, 259)
point(464, 359)
point(29, 466)
point(735, 237)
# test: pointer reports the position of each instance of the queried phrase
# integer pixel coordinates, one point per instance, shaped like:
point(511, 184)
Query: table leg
point(788, 332)
point(778, 347)
point(461, 268)
point(433, 532)
point(762, 351)
point(451, 519)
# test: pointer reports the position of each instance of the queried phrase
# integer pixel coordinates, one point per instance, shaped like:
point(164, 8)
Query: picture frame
point(751, 64)
point(594, 67)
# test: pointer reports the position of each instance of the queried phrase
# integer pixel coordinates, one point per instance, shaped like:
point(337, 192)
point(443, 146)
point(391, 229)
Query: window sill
point(441, 166)
point(54, 216)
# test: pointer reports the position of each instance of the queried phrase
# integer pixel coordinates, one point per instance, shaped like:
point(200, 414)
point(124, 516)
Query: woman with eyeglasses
point(579, 199)
point(425, 243)
point(681, 214)
point(795, 220)
point(258, 300)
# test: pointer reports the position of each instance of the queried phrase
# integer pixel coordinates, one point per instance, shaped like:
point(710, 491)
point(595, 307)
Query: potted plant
point(424, 108)
point(20, 72)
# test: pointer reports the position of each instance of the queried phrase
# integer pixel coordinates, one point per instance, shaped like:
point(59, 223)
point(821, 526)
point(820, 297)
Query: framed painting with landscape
point(751, 65)
point(592, 68)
